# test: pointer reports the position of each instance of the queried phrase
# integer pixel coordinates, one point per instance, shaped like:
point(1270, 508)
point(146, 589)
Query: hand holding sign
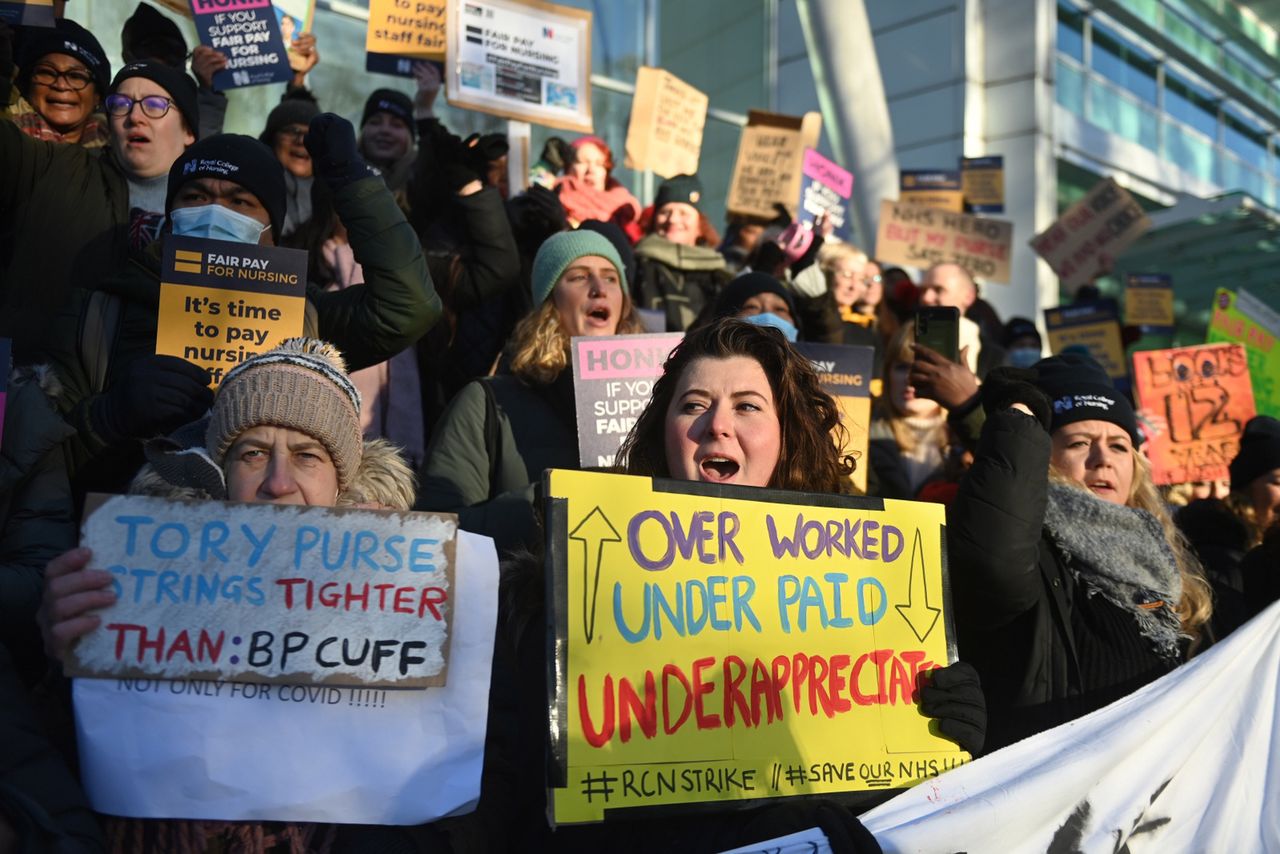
point(153, 395)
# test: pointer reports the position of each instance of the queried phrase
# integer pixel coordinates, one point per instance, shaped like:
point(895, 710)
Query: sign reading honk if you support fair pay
point(222, 302)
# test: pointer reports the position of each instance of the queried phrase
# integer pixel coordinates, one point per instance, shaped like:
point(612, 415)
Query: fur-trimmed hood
point(383, 479)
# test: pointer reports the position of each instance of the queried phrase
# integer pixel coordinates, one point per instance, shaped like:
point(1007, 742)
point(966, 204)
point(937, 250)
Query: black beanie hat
point(1080, 390)
point(393, 102)
point(147, 34)
point(744, 287)
point(1259, 452)
point(175, 81)
point(69, 38)
point(238, 158)
point(681, 188)
point(293, 109)
point(1019, 327)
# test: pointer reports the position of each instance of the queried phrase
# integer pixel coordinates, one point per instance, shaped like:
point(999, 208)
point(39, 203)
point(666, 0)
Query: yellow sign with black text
point(222, 302)
point(718, 644)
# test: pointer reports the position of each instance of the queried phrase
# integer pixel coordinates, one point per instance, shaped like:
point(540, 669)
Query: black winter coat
point(1014, 595)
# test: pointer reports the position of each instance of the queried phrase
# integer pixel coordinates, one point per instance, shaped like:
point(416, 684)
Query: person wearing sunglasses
point(70, 216)
point(64, 73)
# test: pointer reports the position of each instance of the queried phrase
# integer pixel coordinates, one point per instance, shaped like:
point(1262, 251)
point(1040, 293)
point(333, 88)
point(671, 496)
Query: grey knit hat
point(301, 384)
point(560, 250)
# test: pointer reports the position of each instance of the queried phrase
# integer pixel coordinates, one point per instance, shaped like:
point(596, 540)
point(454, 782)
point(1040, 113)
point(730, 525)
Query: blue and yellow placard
point(715, 644)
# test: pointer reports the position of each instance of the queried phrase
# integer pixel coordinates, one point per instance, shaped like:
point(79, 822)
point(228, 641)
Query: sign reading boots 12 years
point(717, 644)
point(222, 302)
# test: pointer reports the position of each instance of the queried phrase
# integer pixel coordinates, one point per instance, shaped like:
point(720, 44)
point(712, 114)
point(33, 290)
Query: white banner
point(249, 752)
point(1188, 763)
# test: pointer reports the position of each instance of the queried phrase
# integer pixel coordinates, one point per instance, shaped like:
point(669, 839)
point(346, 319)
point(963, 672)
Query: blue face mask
point(216, 223)
point(787, 328)
point(1023, 357)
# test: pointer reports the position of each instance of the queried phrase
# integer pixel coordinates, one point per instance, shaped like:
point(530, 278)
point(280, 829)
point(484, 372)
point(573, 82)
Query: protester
point(760, 299)
point(1255, 477)
point(69, 216)
point(1022, 344)
point(953, 285)
point(149, 36)
point(284, 134)
point(588, 190)
point(735, 405)
point(500, 433)
point(231, 187)
point(908, 443)
point(680, 273)
point(62, 76)
point(387, 135)
point(284, 429)
point(1072, 588)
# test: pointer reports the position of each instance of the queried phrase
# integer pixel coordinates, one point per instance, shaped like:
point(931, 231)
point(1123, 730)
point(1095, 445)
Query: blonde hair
point(1195, 606)
point(899, 351)
point(1241, 506)
point(831, 254)
point(540, 345)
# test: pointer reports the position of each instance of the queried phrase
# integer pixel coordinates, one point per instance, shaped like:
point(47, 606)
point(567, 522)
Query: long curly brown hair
point(809, 461)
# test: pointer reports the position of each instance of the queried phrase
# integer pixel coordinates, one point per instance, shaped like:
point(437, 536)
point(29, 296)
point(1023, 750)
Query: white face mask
point(217, 223)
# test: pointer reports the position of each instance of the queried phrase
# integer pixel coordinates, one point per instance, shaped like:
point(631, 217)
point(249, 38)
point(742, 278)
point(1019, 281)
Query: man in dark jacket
point(118, 390)
point(67, 213)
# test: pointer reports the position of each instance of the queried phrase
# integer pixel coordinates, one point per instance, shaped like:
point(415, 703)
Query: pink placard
point(624, 357)
point(819, 168)
point(208, 7)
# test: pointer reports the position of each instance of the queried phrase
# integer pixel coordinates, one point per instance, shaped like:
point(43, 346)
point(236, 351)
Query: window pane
point(1188, 150)
point(617, 36)
point(1190, 105)
point(1069, 88)
point(1242, 137)
point(1124, 65)
point(1110, 110)
point(1071, 33)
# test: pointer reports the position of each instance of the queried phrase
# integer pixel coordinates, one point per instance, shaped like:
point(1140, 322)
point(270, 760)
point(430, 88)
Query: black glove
point(454, 176)
point(953, 696)
point(331, 142)
point(151, 396)
point(1003, 387)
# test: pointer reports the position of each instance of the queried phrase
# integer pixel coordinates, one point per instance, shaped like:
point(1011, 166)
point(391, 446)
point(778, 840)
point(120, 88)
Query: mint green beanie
point(562, 249)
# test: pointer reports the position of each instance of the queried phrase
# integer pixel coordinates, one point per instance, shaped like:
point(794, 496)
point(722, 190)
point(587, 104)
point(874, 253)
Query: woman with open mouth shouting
point(499, 433)
point(1072, 586)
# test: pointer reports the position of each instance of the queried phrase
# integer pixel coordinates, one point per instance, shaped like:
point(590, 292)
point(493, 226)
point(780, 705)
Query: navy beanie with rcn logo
point(237, 158)
point(1080, 390)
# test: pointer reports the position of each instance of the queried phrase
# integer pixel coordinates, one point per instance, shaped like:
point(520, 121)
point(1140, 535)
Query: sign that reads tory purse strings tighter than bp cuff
point(520, 59)
point(222, 302)
point(715, 644)
point(267, 593)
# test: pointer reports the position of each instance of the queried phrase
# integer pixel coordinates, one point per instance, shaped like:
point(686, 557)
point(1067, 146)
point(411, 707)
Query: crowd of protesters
point(434, 374)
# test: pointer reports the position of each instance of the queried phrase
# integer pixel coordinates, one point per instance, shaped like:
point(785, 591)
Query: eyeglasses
point(75, 79)
point(871, 280)
point(296, 133)
point(153, 106)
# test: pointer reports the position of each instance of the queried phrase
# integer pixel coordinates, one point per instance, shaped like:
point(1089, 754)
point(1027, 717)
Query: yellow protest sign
point(1094, 327)
point(412, 28)
point(845, 374)
point(667, 118)
point(719, 644)
point(222, 302)
point(1148, 300)
point(768, 170)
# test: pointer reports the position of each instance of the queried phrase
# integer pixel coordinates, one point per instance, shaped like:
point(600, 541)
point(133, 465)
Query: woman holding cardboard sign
point(1072, 586)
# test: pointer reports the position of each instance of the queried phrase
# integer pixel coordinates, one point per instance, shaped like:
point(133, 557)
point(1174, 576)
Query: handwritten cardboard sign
point(921, 236)
point(1203, 397)
point(1094, 327)
point(845, 374)
point(770, 158)
point(612, 381)
point(27, 13)
point(401, 32)
point(249, 36)
point(1091, 233)
point(520, 59)
point(268, 593)
point(932, 187)
point(1148, 300)
point(718, 644)
point(982, 180)
point(222, 302)
point(1244, 319)
point(667, 118)
point(825, 190)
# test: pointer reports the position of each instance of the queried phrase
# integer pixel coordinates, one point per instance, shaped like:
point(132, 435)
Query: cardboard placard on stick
point(520, 59)
point(269, 593)
point(711, 643)
point(612, 380)
point(667, 118)
point(768, 170)
point(921, 236)
point(1201, 397)
point(249, 36)
point(222, 302)
point(1092, 233)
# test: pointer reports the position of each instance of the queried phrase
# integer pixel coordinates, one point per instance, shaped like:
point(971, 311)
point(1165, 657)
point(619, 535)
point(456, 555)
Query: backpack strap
point(492, 437)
